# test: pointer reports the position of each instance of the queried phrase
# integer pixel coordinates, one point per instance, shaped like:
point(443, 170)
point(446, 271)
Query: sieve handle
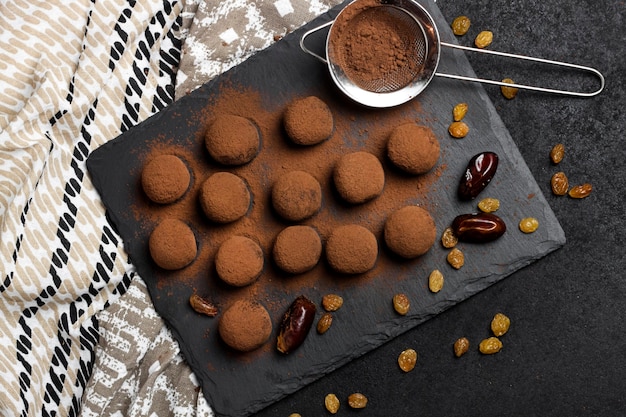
point(310, 32)
point(526, 58)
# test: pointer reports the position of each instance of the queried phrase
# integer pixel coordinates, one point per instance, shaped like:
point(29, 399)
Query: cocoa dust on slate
point(276, 157)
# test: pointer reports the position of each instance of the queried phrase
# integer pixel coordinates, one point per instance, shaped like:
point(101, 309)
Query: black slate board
point(240, 384)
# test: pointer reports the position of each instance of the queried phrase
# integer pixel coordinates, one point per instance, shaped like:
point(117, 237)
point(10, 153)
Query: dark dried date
point(478, 227)
point(202, 306)
point(295, 324)
point(479, 172)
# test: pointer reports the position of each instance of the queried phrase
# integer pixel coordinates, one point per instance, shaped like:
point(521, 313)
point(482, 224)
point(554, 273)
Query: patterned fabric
point(73, 75)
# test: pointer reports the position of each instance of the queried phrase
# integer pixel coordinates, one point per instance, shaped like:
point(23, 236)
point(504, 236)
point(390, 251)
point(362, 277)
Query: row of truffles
point(224, 197)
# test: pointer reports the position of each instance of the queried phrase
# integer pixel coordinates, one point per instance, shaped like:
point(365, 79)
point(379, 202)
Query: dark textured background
point(566, 351)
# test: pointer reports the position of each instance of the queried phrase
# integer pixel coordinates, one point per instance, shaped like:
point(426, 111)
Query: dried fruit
point(508, 92)
point(295, 415)
point(483, 39)
point(331, 402)
point(460, 25)
point(500, 324)
point(528, 224)
point(478, 227)
point(459, 111)
point(202, 305)
point(295, 325)
point(332, 302)
point(448, 239)
point(455, 258)
point(478, 174)
point(580, 191)
point(559, 183)
point(461, 346)
point(458, 130)
point(489, 205)
point(407, 360)
point(435, 281)
point(557, 153)
point(490, 346)
point(357, 400)
point(401, 304)
point(324, 323)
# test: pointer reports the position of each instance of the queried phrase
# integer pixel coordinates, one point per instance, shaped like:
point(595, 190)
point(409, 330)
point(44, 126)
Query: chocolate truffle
point(224, 197)
point(308, 121)
point(172, 244)
point(359, 177)
point(245, 325)
point(297, 249)
point(351, 249)
point(165, 179)
point(296, 196)
point(410, 231)
point(232, 140)
point(412, 148)
point(239, 261)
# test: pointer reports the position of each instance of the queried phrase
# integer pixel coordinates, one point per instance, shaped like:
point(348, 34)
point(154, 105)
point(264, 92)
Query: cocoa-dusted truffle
point(296, 195)
point(165, 179)
point(351, 249)
point(308, 121)
point(245, 325)
point(410, 231)
point(297, 249)
point(412, 148)
point(224, 197)
point(359, 177)
point(239, 261)
point(232, 140)
point(172, 244)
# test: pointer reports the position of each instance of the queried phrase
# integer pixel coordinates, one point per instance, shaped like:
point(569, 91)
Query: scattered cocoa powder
point(165, 179)
point(374, 47)
point(413, 148)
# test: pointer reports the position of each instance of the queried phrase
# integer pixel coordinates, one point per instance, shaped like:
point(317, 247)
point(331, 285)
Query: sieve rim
point(427, 27)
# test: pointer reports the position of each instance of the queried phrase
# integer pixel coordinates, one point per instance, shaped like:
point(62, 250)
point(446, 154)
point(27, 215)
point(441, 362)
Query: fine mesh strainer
point(421, 47)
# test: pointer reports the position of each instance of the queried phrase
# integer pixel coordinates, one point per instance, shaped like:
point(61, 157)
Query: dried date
point(295, 325)
point(478, 227)
point(478, 174)
point(202, 305)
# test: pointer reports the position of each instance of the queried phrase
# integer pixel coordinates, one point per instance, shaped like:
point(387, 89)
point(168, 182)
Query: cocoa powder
point(375, 45)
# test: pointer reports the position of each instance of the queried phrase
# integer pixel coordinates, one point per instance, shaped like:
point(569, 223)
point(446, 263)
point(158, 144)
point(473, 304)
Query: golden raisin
point(528, 224)
point(490, 346)
point(357, 400)
point(332, 403)
point(448, 238)
point(295, 415)
point(508, 92)
point(557, 153)
point(461, 346)
point(332, 302)
point(401, 304)
point(483, 39)
point(458, 130)
point(460, 25)
point(500, 324)
point(324, 323)
point(580, 191)
point(559, 183)
point(435, 281)
point(459, 111)
point(456, 258)
point(489, 205)
point(407, 360)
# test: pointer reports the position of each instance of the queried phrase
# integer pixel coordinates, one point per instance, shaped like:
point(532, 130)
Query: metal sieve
point(422, 48)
